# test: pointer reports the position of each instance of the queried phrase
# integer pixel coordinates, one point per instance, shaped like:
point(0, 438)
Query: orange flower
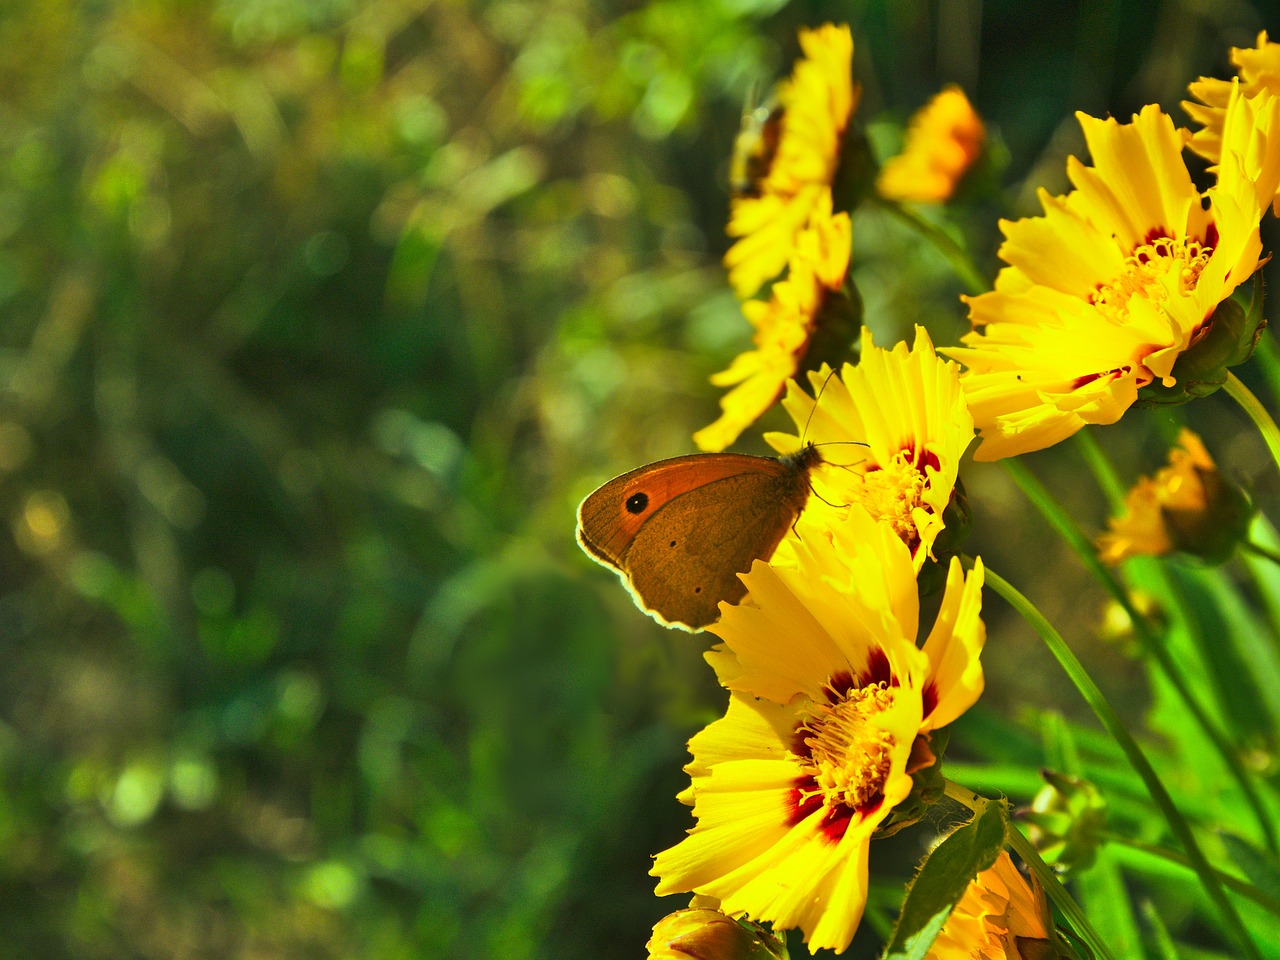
point(999, 918)
point(944, 139)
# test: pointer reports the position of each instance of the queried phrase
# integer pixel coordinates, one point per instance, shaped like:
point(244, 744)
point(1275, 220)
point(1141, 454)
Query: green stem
point(1147, 638)
point(1242, 395)
point(1259, 550)
point(956, 255)
point(1100, 465)
point(1249, 891)
point(1061, 898)
point(1107, 716)
point(1267, 353)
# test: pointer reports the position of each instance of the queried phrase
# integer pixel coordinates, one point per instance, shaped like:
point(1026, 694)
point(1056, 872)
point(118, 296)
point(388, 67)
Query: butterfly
point(678, 532)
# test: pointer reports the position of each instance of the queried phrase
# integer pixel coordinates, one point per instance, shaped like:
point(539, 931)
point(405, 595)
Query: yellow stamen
point(891, 493)
point(850, 756)
point(1147, 266)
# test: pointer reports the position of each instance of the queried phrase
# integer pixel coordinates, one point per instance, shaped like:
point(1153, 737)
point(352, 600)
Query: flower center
point(1146, 270)
point(849, 757)
point(891, 492)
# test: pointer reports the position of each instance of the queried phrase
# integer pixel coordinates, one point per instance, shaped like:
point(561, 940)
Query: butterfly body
point(678, 532)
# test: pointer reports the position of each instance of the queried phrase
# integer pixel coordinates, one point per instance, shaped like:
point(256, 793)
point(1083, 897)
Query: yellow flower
point(998, 918)
point(944, 138)
point(908, 409)
point(1105, 291)
point(784, 325)
point(830, 710)
point(701, 934)
point(813, 110)
point(1186, 506)
point(1223, 131)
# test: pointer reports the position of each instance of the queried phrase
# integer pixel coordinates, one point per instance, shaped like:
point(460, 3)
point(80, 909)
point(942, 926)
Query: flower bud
point(1066, 821)
point(700, 934)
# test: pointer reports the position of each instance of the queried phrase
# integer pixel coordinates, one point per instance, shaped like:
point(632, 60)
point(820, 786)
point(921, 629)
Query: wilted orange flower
point(784, 325)
point(823, 732)
point(702, 934)
point(1105, 291)
point(810, 118)
point(944, 139)
point(999, 918)
point(1186, 506)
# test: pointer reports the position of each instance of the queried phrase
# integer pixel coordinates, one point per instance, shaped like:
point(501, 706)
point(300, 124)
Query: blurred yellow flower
point(907, 411)
point(1105, 291)
point(784, 325)
point(999, 918)
point(944, 138)
point(1186, 506)
point(802, 154)
point(823, 732)
point(1258, 85)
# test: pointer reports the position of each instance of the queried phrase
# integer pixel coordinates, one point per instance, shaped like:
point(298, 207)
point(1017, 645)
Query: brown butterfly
point(678, 532)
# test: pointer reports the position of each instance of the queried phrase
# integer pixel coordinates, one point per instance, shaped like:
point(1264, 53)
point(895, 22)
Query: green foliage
point(319, 319)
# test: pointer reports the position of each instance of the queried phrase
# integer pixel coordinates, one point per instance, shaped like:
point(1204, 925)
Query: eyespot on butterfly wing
point(678, 532)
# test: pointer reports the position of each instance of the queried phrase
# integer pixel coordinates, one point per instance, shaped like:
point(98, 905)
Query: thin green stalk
point(956, 255)
point(1242, 395)
point(1259, 550)
point(1151, 644)
point(1100, 465)
point(1107, 716)
point(1245, 889)
point(1267, 353)
point(1061, 898)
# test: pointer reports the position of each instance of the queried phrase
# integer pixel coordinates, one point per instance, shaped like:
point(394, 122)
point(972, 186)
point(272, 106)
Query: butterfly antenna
point(814, 409)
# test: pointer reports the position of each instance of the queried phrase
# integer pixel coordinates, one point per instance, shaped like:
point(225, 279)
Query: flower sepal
point(958, 524)
point(927, 782)
point(1227, 339)
point(837, 327)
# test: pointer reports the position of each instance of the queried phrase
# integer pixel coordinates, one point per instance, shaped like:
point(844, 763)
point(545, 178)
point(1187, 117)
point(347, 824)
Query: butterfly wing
point(607, 525)
point(681, 567)
point(680, 531)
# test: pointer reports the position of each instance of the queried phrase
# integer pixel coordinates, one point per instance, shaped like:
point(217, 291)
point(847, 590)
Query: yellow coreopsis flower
point(1106, 290)
point(907, 409)
point(1186, 506)
point(1259, 82)
point(783, 326)
point(824, 730)
point(812, 112)
point(944, 138)
point(999, 918)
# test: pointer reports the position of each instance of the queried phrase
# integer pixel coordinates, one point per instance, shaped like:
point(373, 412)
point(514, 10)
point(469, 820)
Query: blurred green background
point(320, 317)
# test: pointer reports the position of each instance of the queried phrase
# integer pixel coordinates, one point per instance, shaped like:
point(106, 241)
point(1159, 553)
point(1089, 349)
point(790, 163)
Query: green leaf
point(943, 878)
point(1259, 867)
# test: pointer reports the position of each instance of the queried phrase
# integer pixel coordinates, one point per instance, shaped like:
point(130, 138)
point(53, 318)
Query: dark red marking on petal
point(1157, 233)
point(839, 685)
point(1211, 236)
point(873, 804)
point(836, 823)
point(927, 460)
point(929, 699)
point(803, 800)
point(877, 669)
point(1088, 378)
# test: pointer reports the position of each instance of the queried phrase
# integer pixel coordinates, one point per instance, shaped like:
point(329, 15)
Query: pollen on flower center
point(1148, 265)
point(849, 757)
point(892, 492)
